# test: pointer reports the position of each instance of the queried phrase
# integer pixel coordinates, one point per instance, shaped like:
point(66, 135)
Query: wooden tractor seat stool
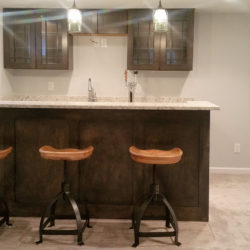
point(154, 157)
point(50, 153)
point(3, 154)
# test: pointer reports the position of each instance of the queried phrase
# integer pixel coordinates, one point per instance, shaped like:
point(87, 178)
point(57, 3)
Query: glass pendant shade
point(74, 20)
point(160, 19)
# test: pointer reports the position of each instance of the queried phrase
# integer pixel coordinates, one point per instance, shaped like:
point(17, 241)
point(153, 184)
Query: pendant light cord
point(160, 5)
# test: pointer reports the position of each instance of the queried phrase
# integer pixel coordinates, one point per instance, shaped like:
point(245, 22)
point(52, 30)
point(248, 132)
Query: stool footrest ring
point(156, 234)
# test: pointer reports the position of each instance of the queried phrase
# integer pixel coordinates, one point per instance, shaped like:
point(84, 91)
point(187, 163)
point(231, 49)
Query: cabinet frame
point(9, 21)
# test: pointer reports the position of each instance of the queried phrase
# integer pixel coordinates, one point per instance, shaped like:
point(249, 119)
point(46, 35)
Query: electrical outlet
point(237, 148)
point(51, 86)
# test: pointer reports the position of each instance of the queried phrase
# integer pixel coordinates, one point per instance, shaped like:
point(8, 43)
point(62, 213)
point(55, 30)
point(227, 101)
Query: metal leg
point(167, 218)
point(138, 202)
point(138, 217)
point(52, 215)
point(139, 210)
point(6, 215)
point(50, 211)
point(87, 216)
point(173, 219)
point(46, 211)
point(78, 218)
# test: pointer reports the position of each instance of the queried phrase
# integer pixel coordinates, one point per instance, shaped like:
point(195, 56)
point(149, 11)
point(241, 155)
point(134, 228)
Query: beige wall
point(221, 74)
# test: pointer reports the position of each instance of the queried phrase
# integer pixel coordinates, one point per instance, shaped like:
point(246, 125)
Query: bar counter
point(110, 181)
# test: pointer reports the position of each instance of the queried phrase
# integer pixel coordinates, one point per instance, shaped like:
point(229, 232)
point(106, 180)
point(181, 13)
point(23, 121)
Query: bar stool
point(154, 157)
point(6, 215)
point(70, 154)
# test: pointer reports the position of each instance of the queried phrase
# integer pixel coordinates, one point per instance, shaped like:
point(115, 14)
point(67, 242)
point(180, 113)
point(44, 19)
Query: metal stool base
point(6, 215)
point(50, 210)
point(140, 208)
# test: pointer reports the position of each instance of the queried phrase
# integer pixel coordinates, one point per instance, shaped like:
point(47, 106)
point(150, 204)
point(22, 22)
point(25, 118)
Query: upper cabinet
point(36, 39)
point(176, 49)
point(19, 39)
point(104, 22)
point(112, 22)
point(39, 39)
point(89, 22)
point(143, 42)
point(53, 44)
point(171, 50)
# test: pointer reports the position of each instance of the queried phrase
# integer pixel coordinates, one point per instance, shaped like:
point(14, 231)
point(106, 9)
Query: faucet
point(91, 92)
point(131, 86)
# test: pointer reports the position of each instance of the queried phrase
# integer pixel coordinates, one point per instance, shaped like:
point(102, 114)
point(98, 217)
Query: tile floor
point(228, 228)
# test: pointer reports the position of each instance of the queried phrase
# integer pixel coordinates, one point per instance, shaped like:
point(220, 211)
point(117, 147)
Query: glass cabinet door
point(177, 42)
point(52, 40)
point(143, 43)
point(19, 39)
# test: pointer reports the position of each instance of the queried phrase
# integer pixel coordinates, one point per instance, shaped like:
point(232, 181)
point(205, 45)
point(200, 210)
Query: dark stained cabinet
point(19, 39)
point(171, 50)
point(104, 22)
point(53, 44)
point(176, 50)
point(112, 22)
point(89, 22)
point(39, 39)
point(143, 42)
point(36, 39)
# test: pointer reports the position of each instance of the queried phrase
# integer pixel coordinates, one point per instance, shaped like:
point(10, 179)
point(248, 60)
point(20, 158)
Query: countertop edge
point(108, 106)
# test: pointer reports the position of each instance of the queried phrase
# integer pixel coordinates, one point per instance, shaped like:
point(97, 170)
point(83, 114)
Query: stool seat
point(155, 156)
point(5, 152)
point(66, 154)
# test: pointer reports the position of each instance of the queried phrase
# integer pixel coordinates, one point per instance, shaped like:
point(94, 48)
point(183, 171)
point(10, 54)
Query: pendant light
point(160, 19)
point(74, 19)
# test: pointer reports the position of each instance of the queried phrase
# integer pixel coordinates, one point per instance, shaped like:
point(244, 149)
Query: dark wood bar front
point(110, 181)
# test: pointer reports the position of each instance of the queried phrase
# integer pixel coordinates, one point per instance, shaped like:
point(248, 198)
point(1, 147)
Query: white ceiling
point(214, 5)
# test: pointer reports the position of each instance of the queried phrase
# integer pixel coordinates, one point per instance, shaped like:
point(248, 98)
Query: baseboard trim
point(219, 170)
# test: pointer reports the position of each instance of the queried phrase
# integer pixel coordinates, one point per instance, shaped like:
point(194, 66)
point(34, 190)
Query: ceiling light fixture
point(74, 19)
point(160, 19)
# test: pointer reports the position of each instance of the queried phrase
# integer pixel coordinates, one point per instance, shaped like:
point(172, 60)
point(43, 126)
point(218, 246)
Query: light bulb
point(74, 20)
point(160, 19)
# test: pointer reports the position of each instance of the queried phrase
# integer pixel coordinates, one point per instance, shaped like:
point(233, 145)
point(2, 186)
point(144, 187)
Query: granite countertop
point(79, 102)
